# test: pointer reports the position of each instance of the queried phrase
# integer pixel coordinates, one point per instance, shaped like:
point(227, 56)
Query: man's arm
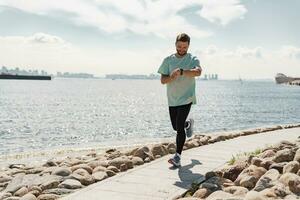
point(165, 79)
point(192, 72)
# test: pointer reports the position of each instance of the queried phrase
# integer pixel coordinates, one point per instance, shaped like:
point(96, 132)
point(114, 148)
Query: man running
point(178, 71)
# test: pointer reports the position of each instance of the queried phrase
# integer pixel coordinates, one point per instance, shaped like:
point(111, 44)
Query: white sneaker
point(175, 161)
point(189, 128)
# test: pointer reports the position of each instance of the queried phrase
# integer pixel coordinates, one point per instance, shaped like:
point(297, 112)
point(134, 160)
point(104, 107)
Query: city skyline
point(252, 39)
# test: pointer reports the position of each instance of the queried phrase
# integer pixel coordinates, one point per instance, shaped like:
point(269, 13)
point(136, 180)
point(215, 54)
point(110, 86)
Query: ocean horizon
point(83, 113)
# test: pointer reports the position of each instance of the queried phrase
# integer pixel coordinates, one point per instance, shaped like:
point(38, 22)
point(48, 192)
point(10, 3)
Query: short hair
point(183, 37)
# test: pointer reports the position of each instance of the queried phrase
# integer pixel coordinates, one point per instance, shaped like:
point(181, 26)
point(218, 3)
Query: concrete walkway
point(156, 181)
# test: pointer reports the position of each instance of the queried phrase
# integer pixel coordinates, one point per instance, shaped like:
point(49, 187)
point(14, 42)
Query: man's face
point(182, 48)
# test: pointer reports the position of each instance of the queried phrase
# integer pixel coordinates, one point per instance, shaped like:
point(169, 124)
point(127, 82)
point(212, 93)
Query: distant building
point(74, 75)
point(210, 77)
point(18, 71)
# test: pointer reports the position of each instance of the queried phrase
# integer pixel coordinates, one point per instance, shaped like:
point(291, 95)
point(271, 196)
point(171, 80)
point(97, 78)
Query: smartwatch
point(181, 72)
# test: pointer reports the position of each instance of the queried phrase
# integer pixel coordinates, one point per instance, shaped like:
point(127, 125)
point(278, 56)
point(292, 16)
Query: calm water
point(66, 113)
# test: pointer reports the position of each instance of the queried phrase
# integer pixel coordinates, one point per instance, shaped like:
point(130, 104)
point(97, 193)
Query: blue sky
point(251, 39)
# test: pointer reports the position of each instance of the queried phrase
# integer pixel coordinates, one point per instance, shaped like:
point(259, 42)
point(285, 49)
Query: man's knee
point(180, 131)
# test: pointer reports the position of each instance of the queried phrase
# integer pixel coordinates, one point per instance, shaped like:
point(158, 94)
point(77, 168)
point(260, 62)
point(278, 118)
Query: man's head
point(182, 44)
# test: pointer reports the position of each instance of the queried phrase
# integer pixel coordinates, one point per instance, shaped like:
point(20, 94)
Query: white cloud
point(51, 53)
point(55, 54)
point(290, 52)
point(245, 52)
point(250, 63)
point(160, 18)
point(213, 51)
point(222, 12)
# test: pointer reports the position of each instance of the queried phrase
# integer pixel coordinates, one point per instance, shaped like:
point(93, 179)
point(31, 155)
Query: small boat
point(24, 77)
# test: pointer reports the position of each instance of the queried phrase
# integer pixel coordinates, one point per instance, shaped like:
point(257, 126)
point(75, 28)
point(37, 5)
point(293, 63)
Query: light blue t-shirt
point(181, 91)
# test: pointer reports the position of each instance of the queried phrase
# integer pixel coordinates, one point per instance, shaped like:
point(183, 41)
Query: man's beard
point(181, 54)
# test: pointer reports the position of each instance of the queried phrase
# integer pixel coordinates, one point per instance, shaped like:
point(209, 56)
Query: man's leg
point(182, 113)
point(173, 116)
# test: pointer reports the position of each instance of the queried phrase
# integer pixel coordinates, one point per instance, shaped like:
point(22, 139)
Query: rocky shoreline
point(61, 176)
point(272, 173)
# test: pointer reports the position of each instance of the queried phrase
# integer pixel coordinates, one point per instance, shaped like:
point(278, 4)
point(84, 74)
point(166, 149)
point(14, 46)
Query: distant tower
point(216, 76)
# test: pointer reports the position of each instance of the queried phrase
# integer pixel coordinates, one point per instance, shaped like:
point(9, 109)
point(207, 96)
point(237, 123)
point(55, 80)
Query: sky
point(251, 39)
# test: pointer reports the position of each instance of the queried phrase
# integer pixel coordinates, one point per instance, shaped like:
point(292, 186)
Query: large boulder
point(143, 152)
point(291, 167)
point(250, 176)
point(117, 162)
point(292, 181)
point(268, 180)
point(285, 155)
point(232, 172)
point(70, 184)
point(159, 149)
point(83, 176)
point(297, 156)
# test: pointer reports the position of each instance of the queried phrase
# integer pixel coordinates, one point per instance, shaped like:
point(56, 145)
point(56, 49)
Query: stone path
point(156, 181)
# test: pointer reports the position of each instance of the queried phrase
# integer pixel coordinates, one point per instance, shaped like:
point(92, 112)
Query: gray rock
point(83, 176)
point(137, 160)
point(28, 196)
point(50, 184)
point(291, 197)
point(13, 198)
point(232, 172)
point(217, 195)
point(291, 167)
point(110, 173)
point(172, 151)
point(236, 190)
point(268, 180)
point(297, 156)
point(35, 170)
point(285, 155)
point(268, 153)
point(171, 146)
point(61, 171)
point(256, 161)
point(123, 167)
point(143, 153)
point(159, 149)
point(99, 176)
point(117, 162)
point(250, 176)
point(191, 144)
point(99, 169)
point(50, 163)
point(278, 166)
point(113, 168)
point(292, 181)
point(58, 191)
point(82, 166)
point(21, 192)
point(4, 195)
point(202, 193)
point(280, 190)
point(266, 164)
point(253, 195)
point(70, 184)
point(94, 164)
point(70, 161)
point(48, 197)
point(5, 178)
point(15, 184)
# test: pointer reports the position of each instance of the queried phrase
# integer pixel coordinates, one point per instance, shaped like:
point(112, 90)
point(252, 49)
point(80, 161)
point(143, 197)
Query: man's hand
point(175, 73)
